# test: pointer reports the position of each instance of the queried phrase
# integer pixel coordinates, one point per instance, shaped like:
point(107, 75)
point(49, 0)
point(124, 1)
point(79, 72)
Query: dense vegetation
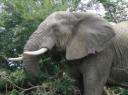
point(18, 19)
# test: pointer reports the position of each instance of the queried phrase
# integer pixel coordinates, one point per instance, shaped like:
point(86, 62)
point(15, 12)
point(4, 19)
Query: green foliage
point(103, 1)
point(13, 92)
point(51, 84)
point(18, 76)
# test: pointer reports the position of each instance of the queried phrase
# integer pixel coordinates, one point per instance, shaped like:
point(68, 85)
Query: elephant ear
point(92, 34)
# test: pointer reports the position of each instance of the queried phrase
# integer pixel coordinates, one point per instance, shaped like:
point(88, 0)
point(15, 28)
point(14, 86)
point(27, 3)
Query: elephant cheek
point(47, 42)
point(31, 65)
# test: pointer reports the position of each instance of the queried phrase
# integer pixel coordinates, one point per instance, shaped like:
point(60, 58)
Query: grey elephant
point(96, 52)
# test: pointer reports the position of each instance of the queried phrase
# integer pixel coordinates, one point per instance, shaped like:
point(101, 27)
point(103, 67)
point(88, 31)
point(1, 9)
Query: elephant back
point(120, 43)
point(119, 73)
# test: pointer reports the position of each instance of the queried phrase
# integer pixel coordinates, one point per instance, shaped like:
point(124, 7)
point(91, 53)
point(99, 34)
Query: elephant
point(96, 52)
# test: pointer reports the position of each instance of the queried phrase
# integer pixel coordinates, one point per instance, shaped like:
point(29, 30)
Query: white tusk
point(38, 52)
point(112, 23)
point(15, 59)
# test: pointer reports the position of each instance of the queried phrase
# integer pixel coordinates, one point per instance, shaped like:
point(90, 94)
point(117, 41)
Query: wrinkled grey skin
point(96, 54)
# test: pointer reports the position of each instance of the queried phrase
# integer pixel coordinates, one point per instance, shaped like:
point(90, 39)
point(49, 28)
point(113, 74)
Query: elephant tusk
point(38, 52)
point(112, 23)
point(15, 59)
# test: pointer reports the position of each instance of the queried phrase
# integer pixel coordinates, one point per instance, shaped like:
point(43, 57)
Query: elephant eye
point(55, 28)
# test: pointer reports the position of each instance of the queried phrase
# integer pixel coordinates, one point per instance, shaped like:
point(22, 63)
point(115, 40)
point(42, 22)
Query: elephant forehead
point(58, 13)
point(63, 16)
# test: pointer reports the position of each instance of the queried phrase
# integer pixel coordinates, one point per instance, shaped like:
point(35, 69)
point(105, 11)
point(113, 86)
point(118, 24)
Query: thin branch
point(34, 87)
point(15, 85)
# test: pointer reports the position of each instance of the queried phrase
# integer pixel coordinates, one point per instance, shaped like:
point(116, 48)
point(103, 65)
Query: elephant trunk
point(39, 42)
point(31, 57)
point(31, 65)
point(30, 60)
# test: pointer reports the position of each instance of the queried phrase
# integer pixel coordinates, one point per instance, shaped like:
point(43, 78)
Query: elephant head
point(78, 34)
